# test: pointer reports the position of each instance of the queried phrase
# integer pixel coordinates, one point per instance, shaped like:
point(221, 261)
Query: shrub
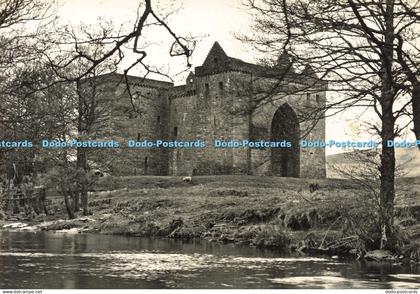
point(264, 235)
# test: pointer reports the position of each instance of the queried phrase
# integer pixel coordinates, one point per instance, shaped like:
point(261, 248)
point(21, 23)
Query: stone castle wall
point(216, 103)
point(147, 120)
point(225, 114)
point(208, 116)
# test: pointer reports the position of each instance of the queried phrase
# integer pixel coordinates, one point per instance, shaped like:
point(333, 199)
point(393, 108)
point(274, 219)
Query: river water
point(59, 260)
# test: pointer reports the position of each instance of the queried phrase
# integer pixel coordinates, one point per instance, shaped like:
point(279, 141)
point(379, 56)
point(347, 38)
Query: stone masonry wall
point(209, 115)
point(147, 121)
point(214, 104)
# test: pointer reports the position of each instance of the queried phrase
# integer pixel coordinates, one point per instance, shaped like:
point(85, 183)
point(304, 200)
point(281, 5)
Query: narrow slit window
point(175, 132)
point(221, 87)
point(206, 90)
point(146, 165)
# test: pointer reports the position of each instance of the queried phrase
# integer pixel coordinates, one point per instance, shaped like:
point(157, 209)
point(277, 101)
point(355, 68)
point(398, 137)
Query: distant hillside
point(407, 158)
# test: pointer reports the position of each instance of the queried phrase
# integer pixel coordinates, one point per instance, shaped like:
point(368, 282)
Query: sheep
point(313, 187)
point(187, 179)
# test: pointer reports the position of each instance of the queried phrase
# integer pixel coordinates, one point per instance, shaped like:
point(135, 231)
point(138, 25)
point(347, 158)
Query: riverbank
point(285, 213)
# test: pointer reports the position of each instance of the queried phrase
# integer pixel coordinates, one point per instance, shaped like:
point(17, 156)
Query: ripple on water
point(329, 282)
point(406, 276)
point(152, 264)
point(325, 282)
point(405, 281)
point(157, 265)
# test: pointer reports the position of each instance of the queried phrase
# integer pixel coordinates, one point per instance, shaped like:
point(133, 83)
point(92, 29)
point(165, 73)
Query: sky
point(210, 21)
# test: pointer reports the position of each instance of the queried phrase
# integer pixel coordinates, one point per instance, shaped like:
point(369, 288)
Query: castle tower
point(218, 104)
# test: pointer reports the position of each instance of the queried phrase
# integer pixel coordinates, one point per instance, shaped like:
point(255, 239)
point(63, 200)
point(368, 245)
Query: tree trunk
point(415, 100)
point(82, 164)
point(387, 175)
point(69, 206)
point(249, 150)
point(76, 201)
point(84, 198)
point(387, 168)
point(85, 120)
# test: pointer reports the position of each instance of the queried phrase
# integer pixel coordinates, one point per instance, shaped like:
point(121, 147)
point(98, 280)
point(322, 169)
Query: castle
point(224, 99)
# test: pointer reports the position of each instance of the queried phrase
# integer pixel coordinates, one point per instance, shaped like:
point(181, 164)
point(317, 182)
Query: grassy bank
point(259, 211)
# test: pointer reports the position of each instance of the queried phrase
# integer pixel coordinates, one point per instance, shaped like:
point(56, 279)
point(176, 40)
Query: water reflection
point(56, 260)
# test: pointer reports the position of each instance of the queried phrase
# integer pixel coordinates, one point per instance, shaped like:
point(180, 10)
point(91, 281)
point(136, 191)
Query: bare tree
point(67, 58)
point(98, 50)
point(24, 27)
point(367, 53)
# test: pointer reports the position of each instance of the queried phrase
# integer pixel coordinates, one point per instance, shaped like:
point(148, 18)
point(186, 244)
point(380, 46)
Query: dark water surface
point(59, 260)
